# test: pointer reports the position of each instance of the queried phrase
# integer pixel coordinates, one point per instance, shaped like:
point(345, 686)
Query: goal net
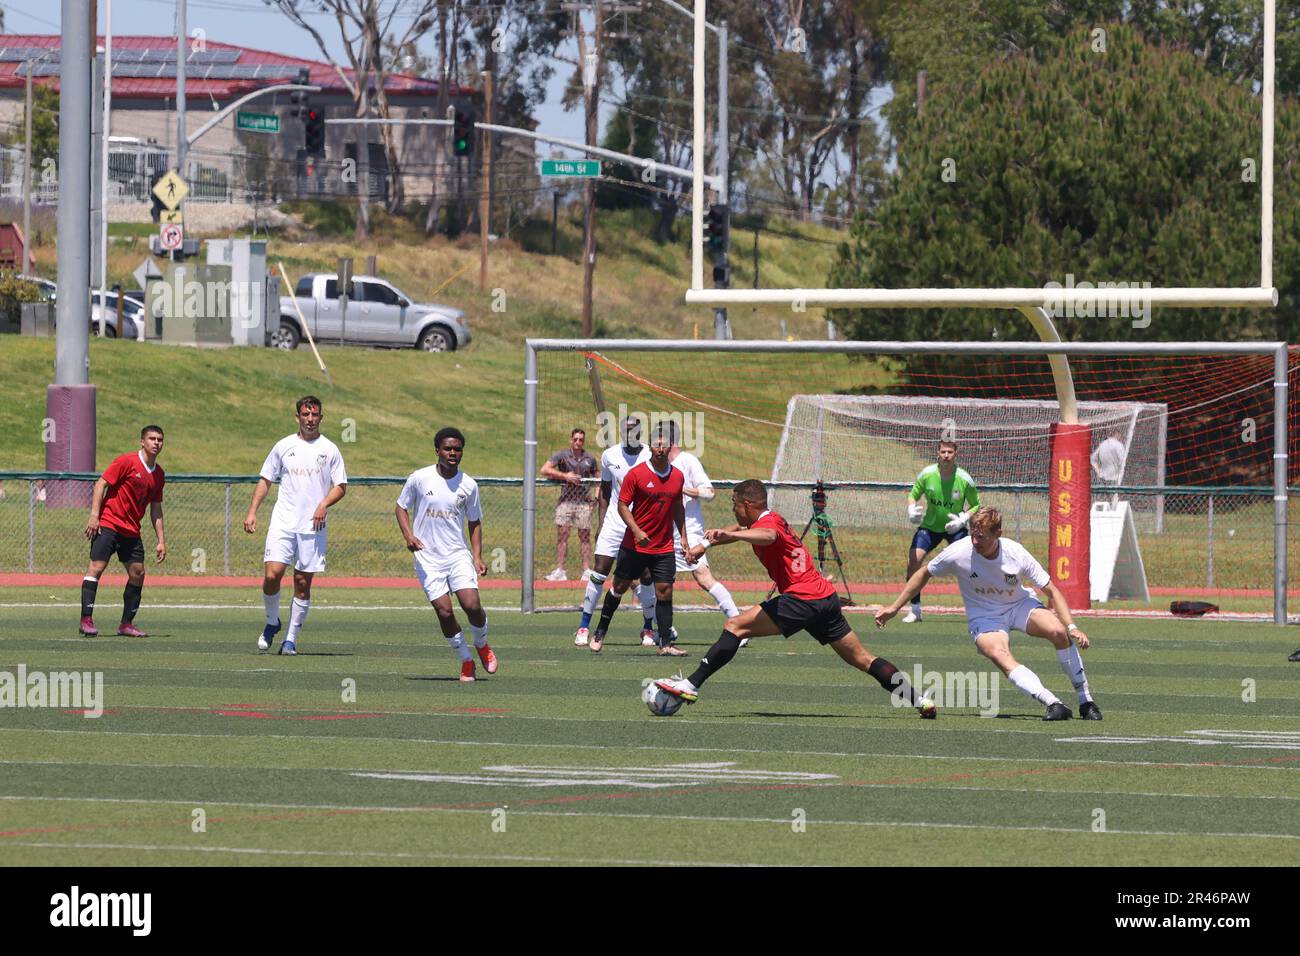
point(1000, 442)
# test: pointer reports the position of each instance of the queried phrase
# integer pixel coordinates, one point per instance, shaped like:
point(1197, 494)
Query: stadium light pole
point(182, 140)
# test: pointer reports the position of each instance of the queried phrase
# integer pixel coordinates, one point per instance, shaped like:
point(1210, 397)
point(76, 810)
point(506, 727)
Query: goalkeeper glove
point(916, 511)
point(957, 522)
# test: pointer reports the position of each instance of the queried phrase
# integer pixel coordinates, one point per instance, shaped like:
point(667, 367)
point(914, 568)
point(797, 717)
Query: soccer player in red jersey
point(131, 482)
point(806, 602)
point(650, 504)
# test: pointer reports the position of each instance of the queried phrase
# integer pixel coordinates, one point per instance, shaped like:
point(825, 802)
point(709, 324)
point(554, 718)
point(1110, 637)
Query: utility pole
point(70, 400)
point(722, 274)
point(182, 137)
point(103, 169)
point(27, 176)
point(484, 207)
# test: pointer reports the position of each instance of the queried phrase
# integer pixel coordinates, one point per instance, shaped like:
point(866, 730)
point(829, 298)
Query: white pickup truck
point(378, 313)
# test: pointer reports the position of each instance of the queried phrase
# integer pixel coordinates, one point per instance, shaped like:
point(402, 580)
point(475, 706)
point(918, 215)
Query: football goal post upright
point(1010, 433)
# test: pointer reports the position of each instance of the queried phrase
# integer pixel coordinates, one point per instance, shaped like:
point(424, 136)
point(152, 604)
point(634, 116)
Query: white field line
point(666, 747)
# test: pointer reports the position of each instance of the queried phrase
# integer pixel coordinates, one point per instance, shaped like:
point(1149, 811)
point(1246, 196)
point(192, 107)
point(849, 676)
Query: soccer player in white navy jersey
point(993, 573)
point(431, 511)
point(309, 468)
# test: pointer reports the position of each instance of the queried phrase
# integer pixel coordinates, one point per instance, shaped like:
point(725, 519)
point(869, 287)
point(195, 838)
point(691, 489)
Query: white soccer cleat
point(559, 574)
point(913, 616)
point(648, 638)
point(580, 637)
point(680, 688)
point(744, 642)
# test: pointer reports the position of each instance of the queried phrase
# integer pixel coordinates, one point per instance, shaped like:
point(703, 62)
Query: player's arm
point(624, 512)
point(916, 502)
point(1061, 608)
point(553, 473)
point(759, 536)
point(913, 587)
point(259, 492)
point(476, 545)
point(156, 517)
point(335, 495)
point(404, 525)
point(679, 521)
point(96, 506)
point(958, 521)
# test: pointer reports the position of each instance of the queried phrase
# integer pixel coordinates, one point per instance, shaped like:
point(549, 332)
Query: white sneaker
point(557, 575)
point(680, 688)
point(913, 615)
point(744, 642)
point(586, 574)
point(580, 637)
point(648, 638)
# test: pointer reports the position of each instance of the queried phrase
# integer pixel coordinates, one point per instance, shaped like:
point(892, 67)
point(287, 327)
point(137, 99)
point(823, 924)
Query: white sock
point(297, 615)
point(720, 594)
point(480, 633)
point(594, 585)
point(1072, 664)
point(1027, 681)
point(645, 594)
point(457, 642)
point(272, 602)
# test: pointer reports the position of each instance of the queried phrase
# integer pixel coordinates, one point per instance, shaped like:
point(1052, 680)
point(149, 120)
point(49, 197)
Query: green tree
point(1130, 165)
point(625, 133)
point(45, 127)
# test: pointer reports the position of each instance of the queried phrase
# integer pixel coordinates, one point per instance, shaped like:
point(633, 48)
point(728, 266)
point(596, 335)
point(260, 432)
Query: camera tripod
point(821, 525)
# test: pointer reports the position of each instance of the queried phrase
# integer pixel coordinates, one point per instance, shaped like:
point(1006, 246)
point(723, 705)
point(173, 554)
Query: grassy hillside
point(542, 293)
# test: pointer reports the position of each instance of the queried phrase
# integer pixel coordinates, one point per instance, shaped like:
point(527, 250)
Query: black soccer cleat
point(1295, 657)
point(1058, 711)
point(1089, 710)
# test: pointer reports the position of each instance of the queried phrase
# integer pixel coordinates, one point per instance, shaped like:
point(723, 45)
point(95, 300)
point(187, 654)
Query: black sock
point(723, 650)
point(607, 610)
point(88, 588)
point(893, 680)
point(664, 620)
point(131, 602)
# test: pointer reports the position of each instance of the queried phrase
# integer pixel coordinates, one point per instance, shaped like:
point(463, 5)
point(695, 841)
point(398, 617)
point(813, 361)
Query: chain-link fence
point(1211, 538)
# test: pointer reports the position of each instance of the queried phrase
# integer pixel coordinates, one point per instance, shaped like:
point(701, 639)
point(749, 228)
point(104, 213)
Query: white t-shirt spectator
point(1108, 459)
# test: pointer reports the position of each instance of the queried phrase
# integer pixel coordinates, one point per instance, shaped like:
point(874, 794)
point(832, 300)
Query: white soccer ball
point(661, 703)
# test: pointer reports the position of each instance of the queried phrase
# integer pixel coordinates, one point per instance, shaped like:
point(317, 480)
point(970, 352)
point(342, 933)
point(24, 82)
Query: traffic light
point(314, 126)
point(462, 132)
point(717, 228)
point(296, 100)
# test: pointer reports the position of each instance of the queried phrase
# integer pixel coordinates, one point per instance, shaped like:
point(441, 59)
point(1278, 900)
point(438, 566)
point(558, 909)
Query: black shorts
point(632, 564)
point(822, 618)
point(108, 543)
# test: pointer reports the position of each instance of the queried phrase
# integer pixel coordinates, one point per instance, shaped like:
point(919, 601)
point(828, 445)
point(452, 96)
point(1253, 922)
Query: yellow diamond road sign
point(171, 189)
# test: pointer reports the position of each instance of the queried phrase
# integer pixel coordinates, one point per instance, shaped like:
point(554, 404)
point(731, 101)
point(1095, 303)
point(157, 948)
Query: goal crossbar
point(1100, 300)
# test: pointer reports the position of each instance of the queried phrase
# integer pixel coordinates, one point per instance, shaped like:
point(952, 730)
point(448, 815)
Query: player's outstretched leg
point(455, 639)
point(1043, 623)
point(89, 587)
point(915, 558)
point(894, 681)
point(751, 623)
point(996, 646)
point(595, 583)
point(1295, 657)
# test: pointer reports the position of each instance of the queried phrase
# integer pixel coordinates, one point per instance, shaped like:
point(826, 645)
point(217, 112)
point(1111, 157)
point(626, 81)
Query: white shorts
point(1015, 617)
point(693, 538)
point(441, 577)
point(611, 534)
point(301, 551)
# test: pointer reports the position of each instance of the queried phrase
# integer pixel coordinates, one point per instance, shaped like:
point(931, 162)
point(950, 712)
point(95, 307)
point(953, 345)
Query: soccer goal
point(1206, 485)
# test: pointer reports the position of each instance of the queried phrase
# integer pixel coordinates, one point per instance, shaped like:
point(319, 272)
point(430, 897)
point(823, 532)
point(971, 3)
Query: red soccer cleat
point(467, 672)
point(88, 628)
point(127, 629)
point(488, 658)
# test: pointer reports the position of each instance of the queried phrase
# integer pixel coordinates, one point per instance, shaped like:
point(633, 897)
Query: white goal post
point(1046, 349)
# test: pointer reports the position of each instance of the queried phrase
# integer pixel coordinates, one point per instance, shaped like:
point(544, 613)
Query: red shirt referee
point(650, 504)
point(132, 482)
point(806, 602)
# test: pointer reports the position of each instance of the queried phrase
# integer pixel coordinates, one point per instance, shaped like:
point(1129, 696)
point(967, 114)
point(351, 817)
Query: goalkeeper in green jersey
point(941, 502)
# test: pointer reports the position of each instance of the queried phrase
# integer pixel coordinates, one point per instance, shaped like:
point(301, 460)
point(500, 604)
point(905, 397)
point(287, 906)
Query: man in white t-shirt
point(993, 573)
point(1108, 460)
point(309, 468)
point(432, 510)
point(615, 463)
